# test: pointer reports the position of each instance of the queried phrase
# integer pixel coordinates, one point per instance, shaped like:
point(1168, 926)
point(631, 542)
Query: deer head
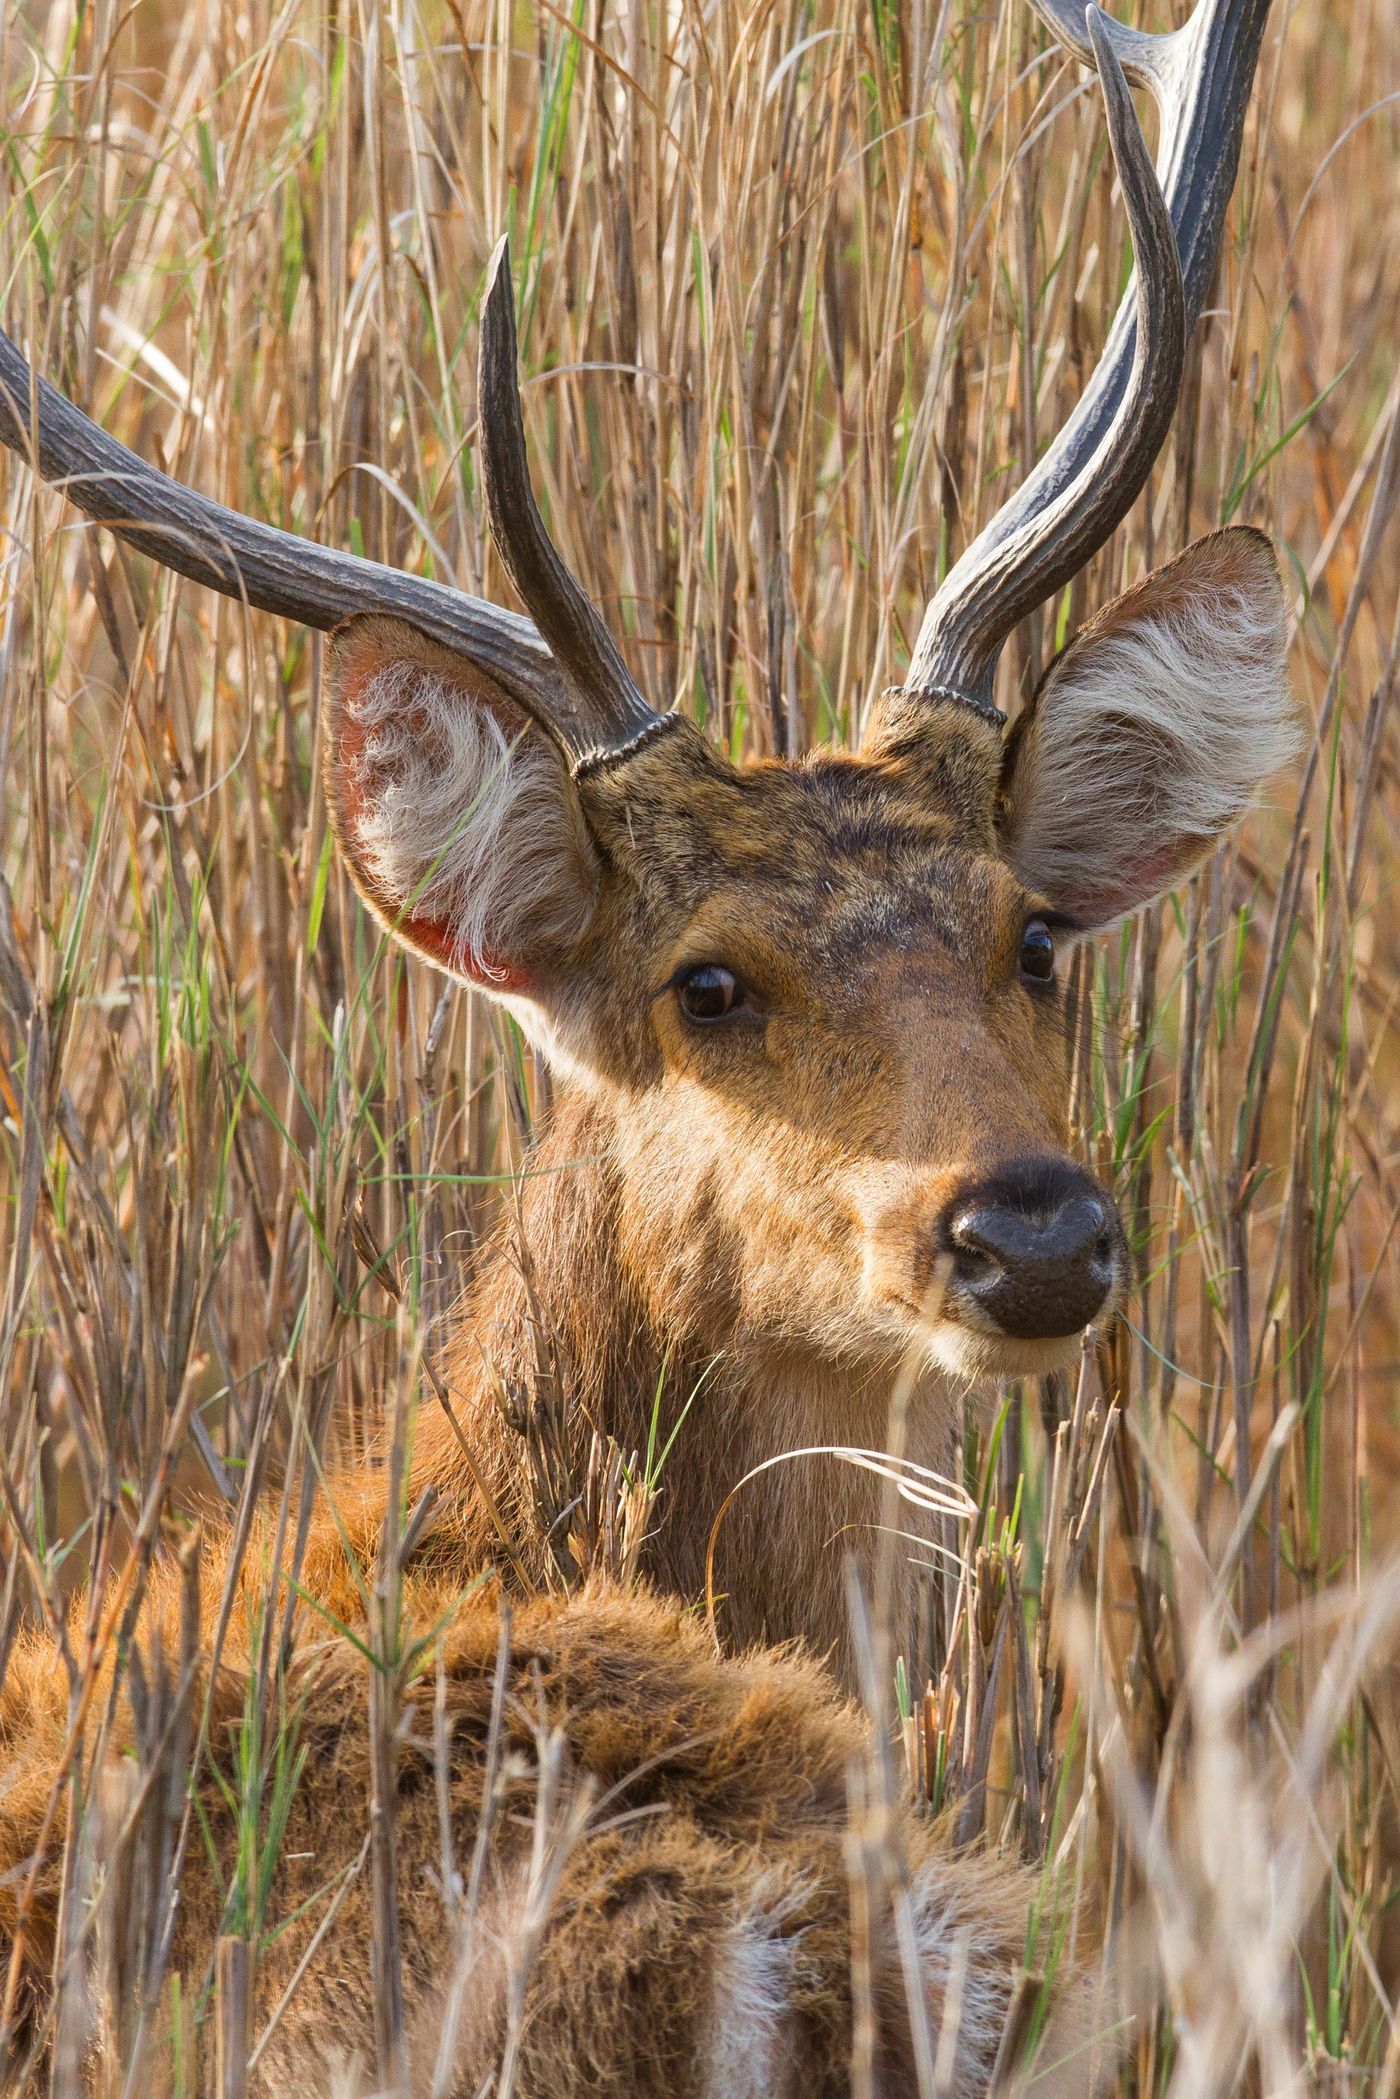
point(820, 1004)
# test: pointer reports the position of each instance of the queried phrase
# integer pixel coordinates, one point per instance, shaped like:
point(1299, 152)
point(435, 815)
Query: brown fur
point(746, 1215)
point(708, 1792)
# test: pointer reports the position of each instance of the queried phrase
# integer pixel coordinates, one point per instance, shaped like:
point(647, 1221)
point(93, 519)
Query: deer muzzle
point(1037, 1251)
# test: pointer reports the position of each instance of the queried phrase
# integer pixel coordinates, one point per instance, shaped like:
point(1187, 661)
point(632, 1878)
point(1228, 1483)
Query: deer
point(809, 1148)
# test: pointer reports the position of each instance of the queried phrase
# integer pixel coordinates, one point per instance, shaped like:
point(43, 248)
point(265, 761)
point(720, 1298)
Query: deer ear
point(1151, 733)
point(455, 815)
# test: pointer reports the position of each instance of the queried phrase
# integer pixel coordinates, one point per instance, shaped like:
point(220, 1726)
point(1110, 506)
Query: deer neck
point(562, 1351)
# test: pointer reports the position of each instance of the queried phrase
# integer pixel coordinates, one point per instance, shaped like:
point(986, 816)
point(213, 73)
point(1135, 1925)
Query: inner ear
point(455, 815)
point(1151, 734)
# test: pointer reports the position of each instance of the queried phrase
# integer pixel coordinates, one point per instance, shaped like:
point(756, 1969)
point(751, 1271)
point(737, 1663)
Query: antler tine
point(318, 586)
point(274, 571)
point(618, 718)
point(1200, 76)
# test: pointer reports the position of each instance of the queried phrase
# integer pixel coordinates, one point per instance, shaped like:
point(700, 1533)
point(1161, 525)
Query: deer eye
point(709, 992)
point(1037, 956)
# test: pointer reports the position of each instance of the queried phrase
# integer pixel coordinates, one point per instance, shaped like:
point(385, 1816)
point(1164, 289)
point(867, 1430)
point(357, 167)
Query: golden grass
point(802, 290)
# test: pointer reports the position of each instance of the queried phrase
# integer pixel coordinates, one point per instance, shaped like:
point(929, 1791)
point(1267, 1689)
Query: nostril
point(1103, 1247)
point(975, 1241)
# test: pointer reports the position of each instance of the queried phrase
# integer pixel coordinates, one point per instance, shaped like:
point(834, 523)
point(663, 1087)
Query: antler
point(568, 621)
point(1088, 480)
point(593, 711)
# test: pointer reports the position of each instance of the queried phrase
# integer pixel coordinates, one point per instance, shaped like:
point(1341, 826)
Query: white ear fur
point(456, 816)
point(1152, 733)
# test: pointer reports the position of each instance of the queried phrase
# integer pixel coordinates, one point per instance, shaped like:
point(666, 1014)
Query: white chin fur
point(975, 1357)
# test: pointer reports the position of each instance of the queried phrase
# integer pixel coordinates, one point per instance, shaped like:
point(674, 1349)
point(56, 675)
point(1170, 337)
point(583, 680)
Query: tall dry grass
point(803, 289)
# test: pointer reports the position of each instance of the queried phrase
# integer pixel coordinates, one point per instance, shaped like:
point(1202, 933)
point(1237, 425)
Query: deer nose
point(1037, 1249)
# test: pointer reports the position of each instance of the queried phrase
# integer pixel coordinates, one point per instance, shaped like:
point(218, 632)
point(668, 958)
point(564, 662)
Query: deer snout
point(1038, 1249)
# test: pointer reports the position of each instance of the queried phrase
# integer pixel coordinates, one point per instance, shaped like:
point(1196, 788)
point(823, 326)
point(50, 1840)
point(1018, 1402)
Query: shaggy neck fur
point(557, 1344)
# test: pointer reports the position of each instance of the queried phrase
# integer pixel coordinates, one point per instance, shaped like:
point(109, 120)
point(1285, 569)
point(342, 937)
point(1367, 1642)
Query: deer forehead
point(847, 924)
point(846, 864)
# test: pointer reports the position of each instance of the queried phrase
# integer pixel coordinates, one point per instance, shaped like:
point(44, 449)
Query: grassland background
point(803, 289)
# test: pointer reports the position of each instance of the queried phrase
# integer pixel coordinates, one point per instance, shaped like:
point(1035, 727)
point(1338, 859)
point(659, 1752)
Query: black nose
point(1038, 1247)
